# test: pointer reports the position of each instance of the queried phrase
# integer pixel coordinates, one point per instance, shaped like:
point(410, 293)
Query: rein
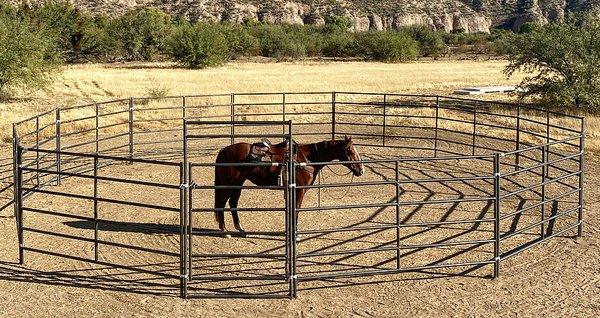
point(320, 158)
point(337, 174)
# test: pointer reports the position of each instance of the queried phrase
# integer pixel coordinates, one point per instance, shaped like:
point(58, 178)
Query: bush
point(198, 46)
point(339, 44)
point(275, 42)
point(388, 46)
point(240, 41)
point(565, 59)
point(431, 43)
point(335, 23)
point(27, 57)
point(142, 33)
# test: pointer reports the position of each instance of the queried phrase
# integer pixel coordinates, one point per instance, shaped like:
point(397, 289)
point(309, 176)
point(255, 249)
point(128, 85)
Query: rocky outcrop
point(447, 15)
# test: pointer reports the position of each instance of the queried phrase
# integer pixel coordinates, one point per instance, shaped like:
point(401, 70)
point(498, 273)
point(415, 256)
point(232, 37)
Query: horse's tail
point(218, 181)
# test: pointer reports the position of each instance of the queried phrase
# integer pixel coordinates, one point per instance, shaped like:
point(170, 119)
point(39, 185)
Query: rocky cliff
point(448, 15)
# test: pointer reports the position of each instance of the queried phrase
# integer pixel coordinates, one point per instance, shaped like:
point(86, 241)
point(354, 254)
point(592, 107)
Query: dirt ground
point(138, 257)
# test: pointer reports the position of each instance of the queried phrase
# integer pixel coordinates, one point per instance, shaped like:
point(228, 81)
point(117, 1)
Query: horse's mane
point(322, 147)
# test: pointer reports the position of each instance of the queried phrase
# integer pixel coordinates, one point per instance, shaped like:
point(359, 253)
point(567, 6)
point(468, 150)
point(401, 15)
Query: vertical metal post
point(384, 119)
point(15, 144)
point(131, 141)
point(474, 127)
point(19, 202)
point(97, 129)
point(496, 214)
point(397, 215)
point(191, 227)
point(37, 146)
point(232, 117)
point(183, 106)
point(547, 139)
point(183, 217)
point(96, 207)
point(581, 167)
point(294, 227)
point(58, 147)
point(319, 189)
point(333, 102)
point(283, 112)
point(288, 219)
point(182, 236)
point(548, 124)
point(518, 138)
point(437, 116)
point(286, 227)
point(543, 198)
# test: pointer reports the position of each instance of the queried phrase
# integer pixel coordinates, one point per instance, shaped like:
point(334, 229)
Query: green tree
point(27, 57)
point(388, 46)
point(198, 46)
point(142, 33)
point(431, 42)
point(78, 36)
point(565, 59)
point(280, 41)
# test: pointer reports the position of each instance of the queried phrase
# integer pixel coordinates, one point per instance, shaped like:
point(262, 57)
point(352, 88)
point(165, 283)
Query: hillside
point(448, 15)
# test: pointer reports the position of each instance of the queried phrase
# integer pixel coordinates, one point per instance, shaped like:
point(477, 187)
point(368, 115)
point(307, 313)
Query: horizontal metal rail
point(110, 179)
point(92, 155)
point(226, 209)
point(538, 147)
point(537, 166)
point(309, 277)
point(105, 200)
point(538, 223)
point(388, 204)
point(213, 136)
point(539, 204)
point(91, 240)
point(238, 123)
point(529, 188)
point(522, 248)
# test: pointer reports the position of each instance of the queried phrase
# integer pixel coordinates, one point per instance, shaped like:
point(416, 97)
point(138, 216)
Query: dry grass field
point(559, 278)
point(81, 84)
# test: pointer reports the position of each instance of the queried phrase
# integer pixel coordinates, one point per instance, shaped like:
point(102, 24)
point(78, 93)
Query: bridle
point(321, 159)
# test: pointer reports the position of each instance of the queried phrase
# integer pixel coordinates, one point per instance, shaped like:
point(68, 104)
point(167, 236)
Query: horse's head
point(349, 153)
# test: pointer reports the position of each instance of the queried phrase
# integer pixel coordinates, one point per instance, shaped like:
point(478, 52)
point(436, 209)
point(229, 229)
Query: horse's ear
point(346, 138)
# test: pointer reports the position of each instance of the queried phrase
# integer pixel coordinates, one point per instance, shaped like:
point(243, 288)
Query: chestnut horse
point(324, 151)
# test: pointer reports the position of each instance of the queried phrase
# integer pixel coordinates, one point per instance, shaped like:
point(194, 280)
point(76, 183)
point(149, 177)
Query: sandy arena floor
point(139, 262)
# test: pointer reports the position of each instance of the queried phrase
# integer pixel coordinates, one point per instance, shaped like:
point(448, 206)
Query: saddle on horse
point(264, 151)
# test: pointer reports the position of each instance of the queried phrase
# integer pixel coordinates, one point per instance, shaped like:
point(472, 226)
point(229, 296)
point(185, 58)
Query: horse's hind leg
point(233, 203)
point(221, 197)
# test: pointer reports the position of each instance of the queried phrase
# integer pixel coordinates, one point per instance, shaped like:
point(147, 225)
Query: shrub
point(240, 41)
point(157, 90)
point(431, 43)
point(388, 46)
point(27, 57)
point(339, 44)
point(565, 61)
point(142, 33)
point(198, 46)
point(336, 23)
point(275, 42)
